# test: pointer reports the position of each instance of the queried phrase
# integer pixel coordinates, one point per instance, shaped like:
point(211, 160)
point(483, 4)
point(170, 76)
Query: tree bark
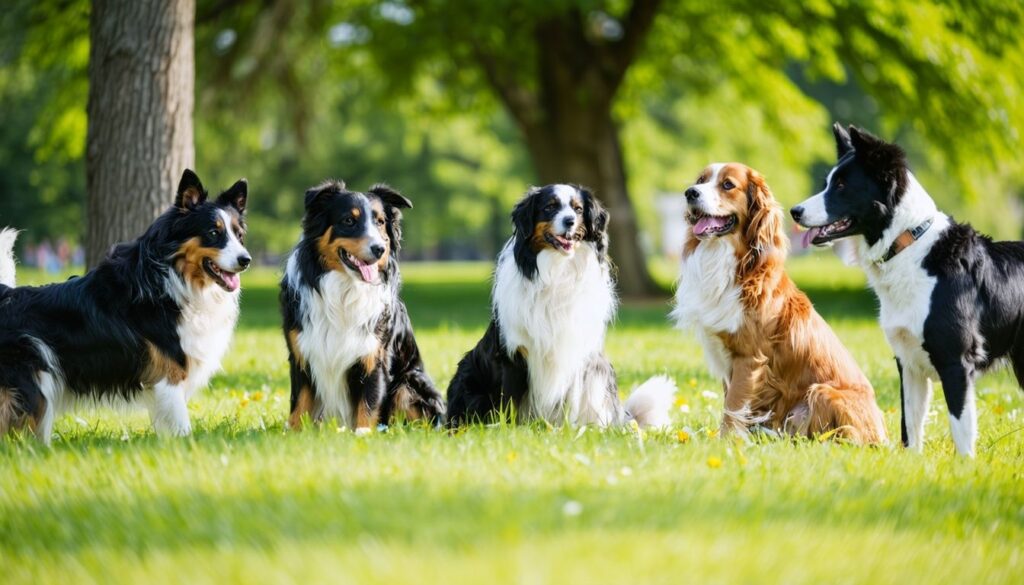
point(567, 121)
point(141, 95)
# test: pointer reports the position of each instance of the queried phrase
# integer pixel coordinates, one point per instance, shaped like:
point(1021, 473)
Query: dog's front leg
point(169, 410)
point(748, 376)
point(367, 387)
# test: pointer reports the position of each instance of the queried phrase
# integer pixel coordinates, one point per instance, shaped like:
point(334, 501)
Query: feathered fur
point(780, 363)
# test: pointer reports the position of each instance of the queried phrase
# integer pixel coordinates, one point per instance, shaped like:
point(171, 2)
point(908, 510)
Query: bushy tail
point(850, 412)
point(7, 237)
point(651, 402)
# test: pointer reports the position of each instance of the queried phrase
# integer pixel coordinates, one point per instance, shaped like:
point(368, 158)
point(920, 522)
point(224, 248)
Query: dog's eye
point(727, 185)
point(380, 221)
point(840, 184)
point(551, 207)
point(348, 222)
point(213, 234)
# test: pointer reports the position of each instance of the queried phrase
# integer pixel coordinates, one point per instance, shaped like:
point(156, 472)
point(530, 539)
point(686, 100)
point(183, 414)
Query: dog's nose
point(377, 250)
point(692, 194)
point(797, 212)
point(244, 261)
point(568, 222)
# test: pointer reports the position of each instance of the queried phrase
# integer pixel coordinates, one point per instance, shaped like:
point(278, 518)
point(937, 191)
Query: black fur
point(487, 380)
point(400, 366)
point(97, 326)
point(976, 313)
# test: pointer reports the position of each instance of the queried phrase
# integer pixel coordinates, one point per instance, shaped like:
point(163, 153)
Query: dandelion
point(693, 382)
point(999, 409)
point(511, 457)
point(711, 433)
point(257, 396)
point(244, 401)
point(714, 462)
point(683, 436)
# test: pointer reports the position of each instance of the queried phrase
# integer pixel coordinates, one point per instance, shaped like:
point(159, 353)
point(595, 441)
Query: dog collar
point(903, 241)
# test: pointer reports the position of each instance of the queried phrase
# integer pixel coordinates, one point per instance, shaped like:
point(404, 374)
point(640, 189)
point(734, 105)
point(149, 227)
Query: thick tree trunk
point(584, 149)
point(141, 94)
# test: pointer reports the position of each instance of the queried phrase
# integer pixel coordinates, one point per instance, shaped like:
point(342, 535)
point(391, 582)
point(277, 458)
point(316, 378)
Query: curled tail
point(650, 403)
point(7, 237)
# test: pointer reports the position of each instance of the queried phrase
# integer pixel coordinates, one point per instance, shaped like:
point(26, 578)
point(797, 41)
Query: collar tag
point(904, 240)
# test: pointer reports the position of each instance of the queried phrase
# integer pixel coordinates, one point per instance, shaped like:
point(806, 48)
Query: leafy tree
point(559, 68)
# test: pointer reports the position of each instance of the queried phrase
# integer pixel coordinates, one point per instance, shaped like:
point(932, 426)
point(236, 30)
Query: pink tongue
point(707, 222)
point(367, 271)
point(232, 280)
point(809, 235)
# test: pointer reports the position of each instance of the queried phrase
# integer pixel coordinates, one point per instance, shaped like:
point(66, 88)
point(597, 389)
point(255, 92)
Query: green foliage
point(243, 500)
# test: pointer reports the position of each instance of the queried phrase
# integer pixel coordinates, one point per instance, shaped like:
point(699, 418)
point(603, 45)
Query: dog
point(553, 297)
point(781, 365)
point(351, 348)
point(951, 299)
point(149, 324)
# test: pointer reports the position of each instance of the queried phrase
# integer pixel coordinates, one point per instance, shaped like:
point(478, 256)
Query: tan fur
point(188, 261)
point(328, 250)
point(161, 367)
point(12, 418)
point(366, 418)
point(293, 346)
point(787, 363)
point(405, 404)
point(303, 406)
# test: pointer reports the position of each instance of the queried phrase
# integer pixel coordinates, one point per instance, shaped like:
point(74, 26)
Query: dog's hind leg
point(850, 412)
point(917, 394)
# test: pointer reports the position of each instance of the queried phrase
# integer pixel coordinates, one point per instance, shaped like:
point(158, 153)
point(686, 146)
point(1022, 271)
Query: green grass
point(243, 500)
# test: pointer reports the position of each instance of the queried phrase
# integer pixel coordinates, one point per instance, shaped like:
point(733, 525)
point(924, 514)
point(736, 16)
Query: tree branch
point(635, 26)
point(520, 101)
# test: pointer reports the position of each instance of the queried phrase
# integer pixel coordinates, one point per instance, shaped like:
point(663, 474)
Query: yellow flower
point(257, 396)
point(712, 433)
point(683, 436)
point(998, 409)
point(244, 401)
point(693, 382)
point(714, 462)
point(511, 456)
point(681, 401)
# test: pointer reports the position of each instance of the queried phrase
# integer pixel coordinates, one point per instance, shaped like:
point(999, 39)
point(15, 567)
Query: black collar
point(905, 239)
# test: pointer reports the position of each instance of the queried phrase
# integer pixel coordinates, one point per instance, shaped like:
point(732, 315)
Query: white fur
point(708, 300)
point(965, 428)
point(205, 328)
point(814, 212)
point(904, 290)
point(559, 318)
point(338, 324)
point(565, 194)
point(7, 238)
point(168, 409)
point(709, 199)
point(650, 403)
point(227, 259)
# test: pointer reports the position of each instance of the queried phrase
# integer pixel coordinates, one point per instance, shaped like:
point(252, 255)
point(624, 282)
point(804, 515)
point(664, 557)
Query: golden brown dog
point(781, 364)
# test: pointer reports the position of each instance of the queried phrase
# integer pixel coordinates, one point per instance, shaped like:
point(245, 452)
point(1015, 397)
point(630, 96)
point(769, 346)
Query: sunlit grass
point(243, 500)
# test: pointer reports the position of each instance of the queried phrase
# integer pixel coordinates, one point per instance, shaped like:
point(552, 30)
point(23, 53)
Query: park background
point(462, 105)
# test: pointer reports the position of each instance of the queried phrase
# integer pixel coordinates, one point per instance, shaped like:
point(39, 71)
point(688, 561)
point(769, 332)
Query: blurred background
point(462, 105)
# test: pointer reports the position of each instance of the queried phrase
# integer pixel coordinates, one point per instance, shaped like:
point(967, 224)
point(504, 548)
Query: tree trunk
point(141, 94)
point(585, 149)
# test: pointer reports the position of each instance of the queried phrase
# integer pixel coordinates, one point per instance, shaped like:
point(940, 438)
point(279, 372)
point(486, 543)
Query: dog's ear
point(315, 220)
point(595, 221)
point(883, 161)
point(394, 202)
point(191, 193)
point(236, 196)
point(764, 233)
point(843, 143)
point(522, 219)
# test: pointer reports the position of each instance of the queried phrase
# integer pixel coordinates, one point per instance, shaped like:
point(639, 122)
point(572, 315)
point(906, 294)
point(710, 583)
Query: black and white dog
point(952, 300)
point(150, 323)
point(351, 348)
point(543, 352)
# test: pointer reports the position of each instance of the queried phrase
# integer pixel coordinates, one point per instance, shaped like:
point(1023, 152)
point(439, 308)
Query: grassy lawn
point(243, 500)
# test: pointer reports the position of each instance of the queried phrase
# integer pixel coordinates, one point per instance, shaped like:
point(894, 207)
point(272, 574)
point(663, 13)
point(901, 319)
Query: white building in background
point(671, 208)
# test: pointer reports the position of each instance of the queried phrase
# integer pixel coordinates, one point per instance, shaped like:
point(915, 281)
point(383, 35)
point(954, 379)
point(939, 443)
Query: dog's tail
point(7, 237)
point(649, 403)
